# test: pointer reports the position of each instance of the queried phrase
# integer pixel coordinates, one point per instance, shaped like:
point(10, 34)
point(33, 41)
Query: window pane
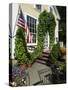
point(34, 38)
point(31, 22)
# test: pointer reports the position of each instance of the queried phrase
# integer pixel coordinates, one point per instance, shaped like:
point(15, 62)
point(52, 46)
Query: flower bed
point(59, 69)
point(19, 77)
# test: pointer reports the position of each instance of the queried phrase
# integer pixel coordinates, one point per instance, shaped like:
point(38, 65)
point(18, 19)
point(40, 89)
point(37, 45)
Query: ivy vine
point(46, 24)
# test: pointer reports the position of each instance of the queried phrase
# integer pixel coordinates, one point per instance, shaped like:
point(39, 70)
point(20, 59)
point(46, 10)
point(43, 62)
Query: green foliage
point(20, 47)
point(55, 56)
point(55, 53)
point(46, 24)
point(52, 29)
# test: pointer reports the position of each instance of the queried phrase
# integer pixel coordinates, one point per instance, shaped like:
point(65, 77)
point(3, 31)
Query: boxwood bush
point(20, 47)
point(55, 56)
point(55, 52)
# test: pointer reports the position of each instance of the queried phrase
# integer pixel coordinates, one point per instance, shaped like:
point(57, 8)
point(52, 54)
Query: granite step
point(34, 77)
point(43, 58)
point(41, 62)
point(45, 55)
point(38, 71)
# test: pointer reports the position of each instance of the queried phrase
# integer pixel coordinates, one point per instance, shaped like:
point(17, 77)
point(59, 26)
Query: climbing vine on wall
point(46, 23)
point(20, 47)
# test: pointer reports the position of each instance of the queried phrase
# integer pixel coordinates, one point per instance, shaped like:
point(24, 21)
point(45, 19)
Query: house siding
point(32, 11)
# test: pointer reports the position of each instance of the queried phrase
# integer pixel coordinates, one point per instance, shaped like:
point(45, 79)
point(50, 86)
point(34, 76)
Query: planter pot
point(29, 65)
point(23, 66)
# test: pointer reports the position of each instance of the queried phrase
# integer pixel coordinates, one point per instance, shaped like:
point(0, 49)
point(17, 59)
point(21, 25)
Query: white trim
point(56, 31)
point(31, 44)
point(34, 6)
point(48, 41)
point(58, 16)
point(25, 14)
point(48, 8)
point(55, 12)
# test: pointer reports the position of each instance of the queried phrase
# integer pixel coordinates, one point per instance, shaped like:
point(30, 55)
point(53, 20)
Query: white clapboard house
point(31, 13)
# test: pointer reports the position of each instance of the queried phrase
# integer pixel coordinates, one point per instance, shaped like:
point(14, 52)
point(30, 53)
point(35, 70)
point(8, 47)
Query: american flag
point(22, 23)
point(21, 20)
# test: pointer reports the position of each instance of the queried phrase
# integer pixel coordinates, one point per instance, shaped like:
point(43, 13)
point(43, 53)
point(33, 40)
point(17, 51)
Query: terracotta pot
point(23, 66)
point(29, 65)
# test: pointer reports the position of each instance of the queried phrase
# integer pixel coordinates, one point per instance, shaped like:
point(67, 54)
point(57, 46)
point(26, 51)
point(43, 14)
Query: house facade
point(31, 13)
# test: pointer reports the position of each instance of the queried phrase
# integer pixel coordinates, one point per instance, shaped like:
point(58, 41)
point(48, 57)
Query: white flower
point(24, 82)
point(22, 79)
point(14, 84)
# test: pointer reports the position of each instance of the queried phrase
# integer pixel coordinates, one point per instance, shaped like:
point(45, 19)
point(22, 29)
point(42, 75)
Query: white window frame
point(31, 44)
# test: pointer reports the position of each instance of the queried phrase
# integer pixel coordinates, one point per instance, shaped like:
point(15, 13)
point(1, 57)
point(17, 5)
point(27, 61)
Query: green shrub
point(59, 71)
point(55, 53)
point(46, 24)
point(20, 47)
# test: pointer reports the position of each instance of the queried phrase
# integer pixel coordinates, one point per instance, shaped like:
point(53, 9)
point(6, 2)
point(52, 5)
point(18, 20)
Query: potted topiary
point(29, 63)
point(23, 65)
point(22, 62)
point(21, 48)
point(19, 77)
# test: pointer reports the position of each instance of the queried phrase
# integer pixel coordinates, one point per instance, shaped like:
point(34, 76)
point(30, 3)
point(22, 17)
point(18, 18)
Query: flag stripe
point(21, 20)
point(19, 25)
point(22, 23)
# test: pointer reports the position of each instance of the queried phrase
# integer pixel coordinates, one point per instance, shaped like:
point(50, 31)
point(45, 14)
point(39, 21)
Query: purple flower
point(17, 71)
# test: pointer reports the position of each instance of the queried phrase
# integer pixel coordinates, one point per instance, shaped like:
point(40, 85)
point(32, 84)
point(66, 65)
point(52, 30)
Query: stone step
point(38, 83)
point(46, 52)
point(45, 55)
point(43, 58)
point(41, 62)
point(36, 71)
point(34, 77)
point(38, 66)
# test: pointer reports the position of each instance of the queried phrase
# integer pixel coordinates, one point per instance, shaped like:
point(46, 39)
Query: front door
point(46, 42)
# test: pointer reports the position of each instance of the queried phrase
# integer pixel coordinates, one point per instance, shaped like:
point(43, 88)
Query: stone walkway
point(39, 73)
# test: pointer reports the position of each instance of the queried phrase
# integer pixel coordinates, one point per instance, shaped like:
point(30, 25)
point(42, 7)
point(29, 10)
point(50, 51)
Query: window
point(38, 7)
point(31, 22)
